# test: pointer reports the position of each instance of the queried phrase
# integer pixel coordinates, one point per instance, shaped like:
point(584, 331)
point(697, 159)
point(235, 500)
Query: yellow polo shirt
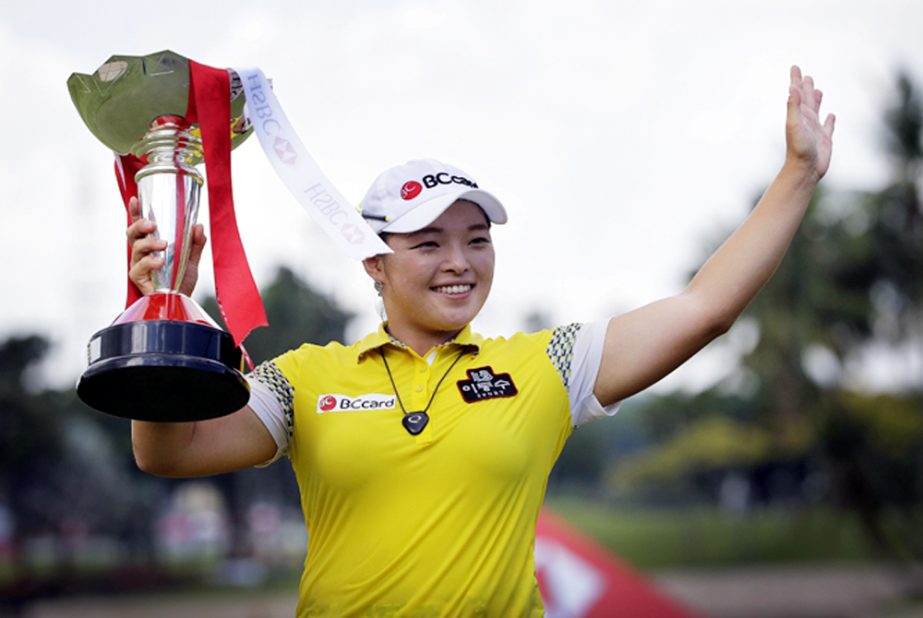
point(437, 524)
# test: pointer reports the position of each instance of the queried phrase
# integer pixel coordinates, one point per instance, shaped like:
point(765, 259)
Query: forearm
point(214, 446)
point(734, 274)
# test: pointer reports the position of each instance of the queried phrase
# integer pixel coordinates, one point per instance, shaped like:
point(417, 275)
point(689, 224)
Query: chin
point(455, 323)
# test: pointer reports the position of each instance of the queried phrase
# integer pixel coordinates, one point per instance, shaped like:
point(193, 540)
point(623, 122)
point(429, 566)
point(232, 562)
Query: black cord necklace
point(415, 422)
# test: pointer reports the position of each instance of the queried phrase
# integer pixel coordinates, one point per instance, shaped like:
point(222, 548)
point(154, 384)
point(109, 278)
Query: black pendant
point(415, 422)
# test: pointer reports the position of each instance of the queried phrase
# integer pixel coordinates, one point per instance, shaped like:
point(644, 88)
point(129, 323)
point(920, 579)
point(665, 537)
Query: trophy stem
point(169, 187)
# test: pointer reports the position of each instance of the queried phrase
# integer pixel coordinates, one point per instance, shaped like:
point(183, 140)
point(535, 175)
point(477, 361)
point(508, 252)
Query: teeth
point(453, 289)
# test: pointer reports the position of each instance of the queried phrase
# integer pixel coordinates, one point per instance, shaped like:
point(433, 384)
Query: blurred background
point(626, 140)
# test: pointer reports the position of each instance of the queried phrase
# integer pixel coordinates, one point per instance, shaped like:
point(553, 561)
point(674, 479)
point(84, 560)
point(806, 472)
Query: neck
point(420, 342)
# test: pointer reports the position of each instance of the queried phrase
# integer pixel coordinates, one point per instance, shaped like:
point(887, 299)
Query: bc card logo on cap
point(412, 188)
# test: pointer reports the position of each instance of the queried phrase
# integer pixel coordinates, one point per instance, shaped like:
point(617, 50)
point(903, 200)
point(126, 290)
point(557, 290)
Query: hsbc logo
point(333, 402)
point(352, 233)
point(284, 150)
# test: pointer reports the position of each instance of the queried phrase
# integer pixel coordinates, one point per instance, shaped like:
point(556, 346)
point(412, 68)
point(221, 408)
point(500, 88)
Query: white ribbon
point(301, 174)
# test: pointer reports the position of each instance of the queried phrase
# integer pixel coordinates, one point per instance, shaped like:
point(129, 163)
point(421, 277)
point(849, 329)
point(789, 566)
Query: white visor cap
point(408, 197)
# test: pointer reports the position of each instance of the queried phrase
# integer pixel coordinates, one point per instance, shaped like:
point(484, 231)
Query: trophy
point(163, 359)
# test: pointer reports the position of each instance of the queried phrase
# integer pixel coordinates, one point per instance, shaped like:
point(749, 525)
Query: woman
point(422, 451)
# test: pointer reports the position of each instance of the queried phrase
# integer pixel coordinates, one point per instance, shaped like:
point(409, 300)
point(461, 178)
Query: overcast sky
point(623, 137)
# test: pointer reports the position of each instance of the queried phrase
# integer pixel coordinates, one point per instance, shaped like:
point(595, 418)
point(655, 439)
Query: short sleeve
point(576, 352)
point(272, 400)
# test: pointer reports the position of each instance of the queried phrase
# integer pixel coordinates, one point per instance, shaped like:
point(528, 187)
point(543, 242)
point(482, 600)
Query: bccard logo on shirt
point(411, 189)
point(334, 402)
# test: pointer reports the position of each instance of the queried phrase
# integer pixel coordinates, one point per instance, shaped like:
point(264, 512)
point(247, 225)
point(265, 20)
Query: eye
point(427, 244)
point(480, 240)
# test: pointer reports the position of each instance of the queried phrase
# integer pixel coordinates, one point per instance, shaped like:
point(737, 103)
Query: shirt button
point(423, 368)
point(419, 388)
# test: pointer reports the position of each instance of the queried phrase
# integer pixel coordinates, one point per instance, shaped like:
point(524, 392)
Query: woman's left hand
point(809, 142)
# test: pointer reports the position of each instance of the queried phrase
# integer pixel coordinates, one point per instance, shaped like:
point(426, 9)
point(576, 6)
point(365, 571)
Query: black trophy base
point(164, 371)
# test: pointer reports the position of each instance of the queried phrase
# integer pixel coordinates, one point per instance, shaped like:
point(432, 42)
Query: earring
point(379, 286)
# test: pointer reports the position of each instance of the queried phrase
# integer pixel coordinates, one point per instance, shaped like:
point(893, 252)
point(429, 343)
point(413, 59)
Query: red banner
point(579, 579)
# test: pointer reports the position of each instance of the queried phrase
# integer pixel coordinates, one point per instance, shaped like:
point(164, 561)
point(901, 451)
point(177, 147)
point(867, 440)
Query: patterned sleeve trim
point(560, 350)
point(270, 376)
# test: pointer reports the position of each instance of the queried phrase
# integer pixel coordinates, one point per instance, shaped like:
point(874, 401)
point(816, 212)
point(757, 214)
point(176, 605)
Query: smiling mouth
point(453, 289)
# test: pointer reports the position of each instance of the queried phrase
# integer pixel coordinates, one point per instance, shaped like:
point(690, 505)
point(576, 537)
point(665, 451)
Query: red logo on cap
point(411, 189)
point(328, 403)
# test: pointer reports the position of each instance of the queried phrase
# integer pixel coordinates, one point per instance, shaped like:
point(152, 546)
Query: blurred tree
point(874, 471)
point(62, 478)
point(896, 226)
point(31, 436)
point(297, 314)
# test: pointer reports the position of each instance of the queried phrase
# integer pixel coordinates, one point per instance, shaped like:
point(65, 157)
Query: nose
point(456, 260)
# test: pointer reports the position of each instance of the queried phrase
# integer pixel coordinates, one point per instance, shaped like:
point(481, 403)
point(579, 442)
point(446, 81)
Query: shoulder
point(550, 344)
point(546, 339)
point(308, 351)
point(309, 356)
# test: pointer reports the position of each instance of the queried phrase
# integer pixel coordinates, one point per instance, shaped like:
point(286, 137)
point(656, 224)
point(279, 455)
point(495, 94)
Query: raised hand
point(809, 142)
point(144, 245)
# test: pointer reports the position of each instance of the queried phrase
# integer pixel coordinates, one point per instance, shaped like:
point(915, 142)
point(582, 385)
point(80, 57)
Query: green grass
point(701, 537)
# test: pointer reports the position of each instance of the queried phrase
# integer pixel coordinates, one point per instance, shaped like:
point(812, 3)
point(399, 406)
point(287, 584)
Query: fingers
point(808, 93)
point(144, 261)
point(829, 124)
point(794, 97)
point(134, 208)
point(145, 248)
point(805, 97)
point(139, 227)
point(802, 88)
point(144, 245)
point(140, 273)
point(794, 87)
point(198, 243)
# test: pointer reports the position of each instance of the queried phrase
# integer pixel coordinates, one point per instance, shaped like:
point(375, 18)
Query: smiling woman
point(422, 451)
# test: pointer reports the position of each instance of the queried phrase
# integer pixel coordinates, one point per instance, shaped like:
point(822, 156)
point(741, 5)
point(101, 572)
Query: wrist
point(801, 171)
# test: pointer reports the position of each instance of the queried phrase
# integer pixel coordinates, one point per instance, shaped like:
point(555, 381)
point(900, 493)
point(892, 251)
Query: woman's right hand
point(144, 245)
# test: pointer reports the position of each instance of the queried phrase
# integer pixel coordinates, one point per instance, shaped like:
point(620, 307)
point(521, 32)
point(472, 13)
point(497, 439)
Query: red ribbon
point(210, 105)
point(126, 166)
